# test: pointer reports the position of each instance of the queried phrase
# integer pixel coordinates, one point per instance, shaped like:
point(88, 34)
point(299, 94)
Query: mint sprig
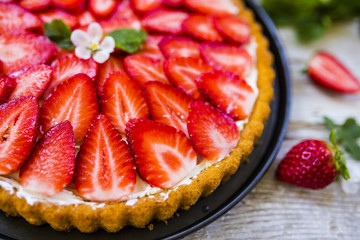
point(340, 161)
point(58, 32)
point(128, 40)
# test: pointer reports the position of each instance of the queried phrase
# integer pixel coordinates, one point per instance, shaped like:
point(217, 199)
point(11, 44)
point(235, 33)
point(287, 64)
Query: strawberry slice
point(327, 71)
point(143, 69)
point(32, 81)
point(67, 66)
point(173, 47)
point(24, 49)
point(18, 127)
point(233, 28)
point(105, 169)
point(173, 3)
point(213, 7)
point(51, 165)
point(202, 28)
point(85, 18)
point(120, 103)
point(168, 105)
point(34, 5)
point(73, 100)
point(71, 5)
point(227, 58)
point(151, 47)
point(14, 17)
point(228, 92)
point(102, 8)
point(143, 6)
point(212, 133)
point(69, 19)
point(164, 21)
point(183, 71)
point(114, 63)
point(163, 155)
point(7, 86)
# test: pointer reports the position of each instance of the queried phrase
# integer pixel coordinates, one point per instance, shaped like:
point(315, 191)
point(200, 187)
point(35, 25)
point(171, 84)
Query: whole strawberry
point(311, 164)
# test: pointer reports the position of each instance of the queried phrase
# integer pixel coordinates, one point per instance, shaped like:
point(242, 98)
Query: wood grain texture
point(275, 210)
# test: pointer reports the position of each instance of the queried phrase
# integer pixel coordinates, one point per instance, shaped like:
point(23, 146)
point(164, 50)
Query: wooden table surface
point(275, 210)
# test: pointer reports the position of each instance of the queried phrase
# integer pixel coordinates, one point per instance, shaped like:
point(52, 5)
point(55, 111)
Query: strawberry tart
point(117, 113)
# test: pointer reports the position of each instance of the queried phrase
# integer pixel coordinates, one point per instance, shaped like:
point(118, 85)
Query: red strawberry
point(73, 100)
point(233, 28)
point(201, 27)
point(143, 6)
point(32, 81)
point(7, 86)
point(228, 92)
point(310, 164)
point(69, 19)
point(212, 133)
point(67, 66)
point(164, 21)
point(227, 58)
point(33, 5)
point(114, 63)
point(50, 166)
point(163, 155)
point(213, 7)
point(173, 3)
point(14, 17)
point(105, 169)
point(122, 100)
point(168, 105)
point(85, 18)
point(183, 71)
point(151, 47)
point(143, 69)
point(24, 49)
point(101, 8)
point(71, 5)
point(173, 47)
point(18, 127)
point(327, 71)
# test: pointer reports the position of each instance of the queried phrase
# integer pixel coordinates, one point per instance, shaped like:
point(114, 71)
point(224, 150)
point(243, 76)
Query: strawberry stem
point(340, 160)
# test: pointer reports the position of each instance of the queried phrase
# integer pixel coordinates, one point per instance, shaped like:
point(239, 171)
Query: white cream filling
point(68, 196)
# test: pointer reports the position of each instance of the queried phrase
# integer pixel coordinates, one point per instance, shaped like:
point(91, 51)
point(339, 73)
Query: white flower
point(88, 43)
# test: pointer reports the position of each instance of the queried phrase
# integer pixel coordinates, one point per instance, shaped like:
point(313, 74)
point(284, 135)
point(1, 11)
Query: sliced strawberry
point(143, 6)
point(227, 58)
point(202, 27)
point(212, 133)
point(18, 127)
point(51, 165)
point(14, 17)
point(69, 19)
point(173, 47)
point(122, 100)
point(102, 8)
point(168, 105)
point(71, 5)
point(32, 81)
point(73, 100)
point(228, 92)
point(163, 155)
point(213, 7)
point(7, 86)
point(151, 47)
point(20, 50)
point(164, 21)
point(183, 71)
point(33, 5)
point(233, 28)
point(67, 66)
point(173, 3)
point(85, 18)
point(105, 169)
point(143, 69)
point(327, 71)
point(114, 63)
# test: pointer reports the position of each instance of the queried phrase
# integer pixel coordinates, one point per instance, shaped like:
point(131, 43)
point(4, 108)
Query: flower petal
point(95, 32)
point(101, 56)
point(82, 52)
point(80, 38)
point(108, 44)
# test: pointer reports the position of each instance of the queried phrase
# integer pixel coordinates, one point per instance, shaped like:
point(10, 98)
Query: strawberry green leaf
point(339, 157)
point(128, 40)
point(58, 32)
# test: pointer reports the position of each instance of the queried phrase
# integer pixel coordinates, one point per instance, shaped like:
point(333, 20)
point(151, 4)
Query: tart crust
point(114, 216)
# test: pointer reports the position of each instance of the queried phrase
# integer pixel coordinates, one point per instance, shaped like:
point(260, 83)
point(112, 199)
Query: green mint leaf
point(329, 123)
point(128, 40)
point(58, 32)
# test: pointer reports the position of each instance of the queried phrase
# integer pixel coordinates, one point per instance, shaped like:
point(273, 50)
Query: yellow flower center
point(94, 46)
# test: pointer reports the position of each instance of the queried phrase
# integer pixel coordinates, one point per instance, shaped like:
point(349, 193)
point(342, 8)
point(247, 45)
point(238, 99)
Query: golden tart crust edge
point(115, 215)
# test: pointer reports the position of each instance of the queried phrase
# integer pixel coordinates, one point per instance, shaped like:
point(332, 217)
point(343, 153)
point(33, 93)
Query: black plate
point(225, 197)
